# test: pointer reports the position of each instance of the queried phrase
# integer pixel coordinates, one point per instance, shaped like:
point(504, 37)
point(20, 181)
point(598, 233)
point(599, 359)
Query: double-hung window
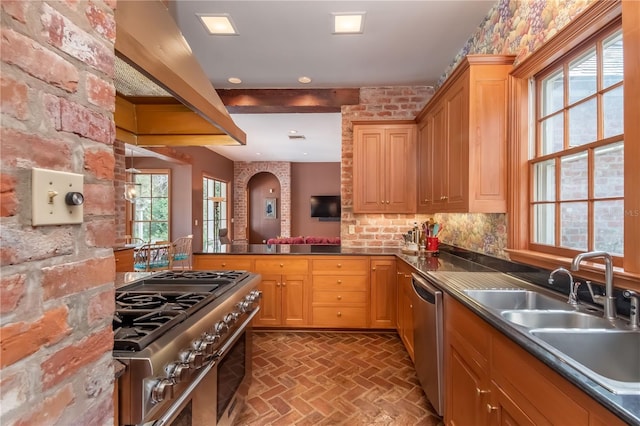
point(577, 161)
point(214, 211)
point(150, 213)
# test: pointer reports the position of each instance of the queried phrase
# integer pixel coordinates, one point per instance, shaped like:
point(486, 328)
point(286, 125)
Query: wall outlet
point(57, 197)
point(352, 229)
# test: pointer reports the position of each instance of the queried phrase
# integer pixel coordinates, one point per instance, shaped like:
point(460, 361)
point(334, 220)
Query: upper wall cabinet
point(384, 167)
point(462, 147)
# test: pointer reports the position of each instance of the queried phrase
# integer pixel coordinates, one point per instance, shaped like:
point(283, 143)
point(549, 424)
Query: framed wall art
point(270, 208)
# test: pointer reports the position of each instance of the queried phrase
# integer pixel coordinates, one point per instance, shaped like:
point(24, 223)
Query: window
point(150, 213)
point(577, 163)
point(214, 211)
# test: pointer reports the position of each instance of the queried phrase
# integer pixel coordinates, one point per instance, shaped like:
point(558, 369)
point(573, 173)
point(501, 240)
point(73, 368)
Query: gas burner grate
point(162, 301)
point(135, 329)
point(215, 277)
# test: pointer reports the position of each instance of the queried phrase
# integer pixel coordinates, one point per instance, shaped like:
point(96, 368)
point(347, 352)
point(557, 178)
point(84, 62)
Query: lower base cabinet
point(490, 380)
point(405, 306)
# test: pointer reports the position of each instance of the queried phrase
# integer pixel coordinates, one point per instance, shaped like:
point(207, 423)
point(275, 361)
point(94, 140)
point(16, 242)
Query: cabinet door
point(466, 388)
point(439, 170)
point(368, 172)
point(505, 412)
point(270, 313)
point(457, 178)
point(294, 309)
point(408, 315)
point(400, 156)
point(383, 293)
point(425, 166)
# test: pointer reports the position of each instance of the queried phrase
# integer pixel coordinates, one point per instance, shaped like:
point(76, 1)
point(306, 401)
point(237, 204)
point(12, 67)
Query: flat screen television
point(325, 206)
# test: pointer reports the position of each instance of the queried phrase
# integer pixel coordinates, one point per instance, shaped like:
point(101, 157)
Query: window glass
point(613, 112)
point(612, 60)
point(573, 225)
point(609, 171)
point(552, 134)
point(583, 123)
point(151, 210)
point(583, 76)
point(553, 93)
point(214, 211)
point(609, 230)
point(574, 177)
point(544, 224)
point(545, 181)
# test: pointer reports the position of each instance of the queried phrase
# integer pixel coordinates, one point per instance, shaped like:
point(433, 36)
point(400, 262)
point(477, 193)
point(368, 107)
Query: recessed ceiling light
point(293, 132)
point(218, 24)
point(304, 80)
point(258, 153)
point(234, 80)
point(348, 23)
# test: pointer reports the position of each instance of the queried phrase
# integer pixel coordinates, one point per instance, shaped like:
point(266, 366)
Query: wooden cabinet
point(383, 292)
point(384, 167)
point(124, 259)
point(214, 262)
point(491, 380)
point(340, 292)
point(405, 306)
point(285, 291)
point(463, 140)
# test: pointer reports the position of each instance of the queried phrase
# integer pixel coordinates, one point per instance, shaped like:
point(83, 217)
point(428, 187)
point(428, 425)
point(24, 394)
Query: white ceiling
point(404, 43)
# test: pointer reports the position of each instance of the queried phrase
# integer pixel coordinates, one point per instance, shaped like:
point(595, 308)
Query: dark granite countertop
point(301, 249)
point(440, 271)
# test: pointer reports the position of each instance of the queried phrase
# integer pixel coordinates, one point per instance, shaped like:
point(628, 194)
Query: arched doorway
point(264, 207)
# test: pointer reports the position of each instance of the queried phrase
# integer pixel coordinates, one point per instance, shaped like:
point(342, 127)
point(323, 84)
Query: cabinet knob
point(284, 284)
point(281, 265)
point(410, 306)
point(491, 408)
point(426, 200)
point(387, 201)
point(224, 264)
point(277, 284)
point(339, 281)
point(339, 265)
point(339, 313)
point(339, 297)
point(374, 268)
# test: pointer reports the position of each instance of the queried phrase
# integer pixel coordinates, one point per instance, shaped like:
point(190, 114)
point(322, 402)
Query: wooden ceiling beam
point(266, 101)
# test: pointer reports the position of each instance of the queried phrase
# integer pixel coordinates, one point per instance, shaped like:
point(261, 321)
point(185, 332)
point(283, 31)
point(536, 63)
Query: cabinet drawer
point(215, 262)
point(124, 260)
point(339, 297)
point(348, 265)
point(336, 316)
point(340, 282)
point(282, 265)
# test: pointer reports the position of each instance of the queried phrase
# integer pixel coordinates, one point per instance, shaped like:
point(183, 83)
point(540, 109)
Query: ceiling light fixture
point(348, 23)
point(234, 80)
point(218, 24)
point(293, 132)
point(304, 80)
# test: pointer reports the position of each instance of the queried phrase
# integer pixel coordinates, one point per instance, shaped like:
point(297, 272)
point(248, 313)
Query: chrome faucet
point(573, 288)
point(608, 300)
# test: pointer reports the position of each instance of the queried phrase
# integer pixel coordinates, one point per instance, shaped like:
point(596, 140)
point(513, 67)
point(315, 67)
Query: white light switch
point(352, 229)
point(50, 204)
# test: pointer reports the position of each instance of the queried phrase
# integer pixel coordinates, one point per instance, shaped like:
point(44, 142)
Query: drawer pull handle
point(481, 391)
point(339, 281)
point(224, 264)
point(281, 265)
point(339, 265)
point(339, 313)
point(339, 297)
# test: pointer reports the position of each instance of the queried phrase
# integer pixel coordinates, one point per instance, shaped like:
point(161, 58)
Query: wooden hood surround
point(149, 40)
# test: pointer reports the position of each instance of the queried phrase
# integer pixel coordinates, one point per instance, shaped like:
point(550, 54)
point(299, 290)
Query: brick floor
point(331, 378)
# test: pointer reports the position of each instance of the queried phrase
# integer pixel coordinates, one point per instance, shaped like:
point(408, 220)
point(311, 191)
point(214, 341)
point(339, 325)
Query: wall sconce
point(270, 190)
point(131, 187)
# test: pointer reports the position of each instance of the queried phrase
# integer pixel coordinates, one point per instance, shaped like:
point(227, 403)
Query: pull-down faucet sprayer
point(608, 301)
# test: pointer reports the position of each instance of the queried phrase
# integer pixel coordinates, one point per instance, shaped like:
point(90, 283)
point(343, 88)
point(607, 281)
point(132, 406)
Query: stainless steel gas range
point(185, 339)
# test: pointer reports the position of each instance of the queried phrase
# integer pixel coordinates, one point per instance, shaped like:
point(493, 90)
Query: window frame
point(224, 209)
point(130, 208)
point(598, 17)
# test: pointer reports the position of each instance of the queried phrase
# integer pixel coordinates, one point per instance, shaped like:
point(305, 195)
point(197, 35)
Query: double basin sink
point(606, 351)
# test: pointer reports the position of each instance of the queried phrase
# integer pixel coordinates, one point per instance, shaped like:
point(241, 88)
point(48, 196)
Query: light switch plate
point(48, 191)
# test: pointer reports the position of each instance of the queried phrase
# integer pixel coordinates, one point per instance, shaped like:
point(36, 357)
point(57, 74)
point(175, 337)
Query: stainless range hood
point(178, 104)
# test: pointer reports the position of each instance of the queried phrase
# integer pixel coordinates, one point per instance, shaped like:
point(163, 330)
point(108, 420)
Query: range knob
point(221, 328)
point(245, 306)
point(256, 294)
point(193, 358)
point(178, 371)
point(231, 318)
point(163, 389)
point(203, 346)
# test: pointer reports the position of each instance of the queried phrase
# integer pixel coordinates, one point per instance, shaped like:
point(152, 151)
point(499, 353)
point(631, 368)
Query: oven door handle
point(236, 335)
point(175, 408)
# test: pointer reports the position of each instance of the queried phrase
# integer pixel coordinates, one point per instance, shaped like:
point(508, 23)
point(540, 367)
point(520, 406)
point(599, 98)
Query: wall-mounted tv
point(325, 206)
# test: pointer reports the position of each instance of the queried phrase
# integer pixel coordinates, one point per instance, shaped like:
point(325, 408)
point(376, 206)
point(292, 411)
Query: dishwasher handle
point(424, 289)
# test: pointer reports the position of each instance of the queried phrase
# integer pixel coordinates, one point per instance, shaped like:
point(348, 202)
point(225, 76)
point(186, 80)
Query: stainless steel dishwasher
point(428, 340)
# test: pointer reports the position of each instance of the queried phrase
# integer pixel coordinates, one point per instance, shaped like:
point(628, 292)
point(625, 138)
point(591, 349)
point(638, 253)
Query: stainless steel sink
point(609, 357)
point(516, 299)
point(555, 319)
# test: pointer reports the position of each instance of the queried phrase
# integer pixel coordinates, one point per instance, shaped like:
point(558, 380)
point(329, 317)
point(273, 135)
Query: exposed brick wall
point(376, 103)
point(242, 172)
point(118, 187)
point(57, 103)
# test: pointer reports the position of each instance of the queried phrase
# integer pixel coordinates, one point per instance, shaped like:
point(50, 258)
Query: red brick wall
point(376, 103)
point(57, 103)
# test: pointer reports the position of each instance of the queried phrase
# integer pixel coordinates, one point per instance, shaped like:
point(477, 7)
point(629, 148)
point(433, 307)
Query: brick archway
point(242, 172)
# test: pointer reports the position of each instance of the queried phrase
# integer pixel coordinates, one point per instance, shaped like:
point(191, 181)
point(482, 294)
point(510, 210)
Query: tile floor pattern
point(333, 378)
